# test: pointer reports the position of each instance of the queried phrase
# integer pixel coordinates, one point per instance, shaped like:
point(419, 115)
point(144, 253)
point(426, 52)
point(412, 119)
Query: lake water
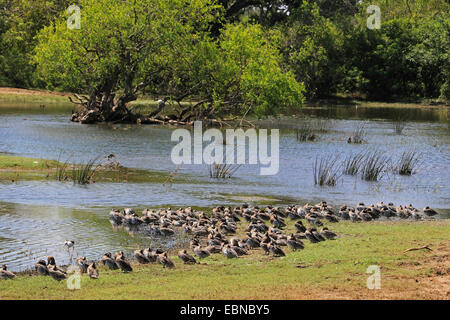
point(36, 217)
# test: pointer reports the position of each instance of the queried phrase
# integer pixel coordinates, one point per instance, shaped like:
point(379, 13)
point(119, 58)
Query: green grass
point(13, 162)
point(14, 168)
point(332, 269)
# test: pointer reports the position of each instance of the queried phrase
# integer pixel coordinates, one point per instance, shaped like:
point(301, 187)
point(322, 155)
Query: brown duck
point(41, 267)
point(123, 264)
point(92, 271)
point(186, 257)
point(164, 259)
point(5, 274)
point(108, 261)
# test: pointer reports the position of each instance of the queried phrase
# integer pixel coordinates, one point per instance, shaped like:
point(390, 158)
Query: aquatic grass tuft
point(325, 171)
point(223, 171)
point(408, 161)
point(358, 134)
point(352, 163)
point(374, 165)
point(305, 132)
point(84, 173)
point(61, 171)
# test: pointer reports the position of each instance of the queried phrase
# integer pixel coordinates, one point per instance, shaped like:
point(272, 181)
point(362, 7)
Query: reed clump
point(223, 171)
point(408, 161)
point(374, 165)
point(352, 163)
point(84, 174)
point(326, 171)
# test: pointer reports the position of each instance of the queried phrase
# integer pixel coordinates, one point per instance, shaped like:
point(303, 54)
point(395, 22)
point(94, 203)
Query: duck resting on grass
point(92, 271)
point(5, 273)
point(108, 261)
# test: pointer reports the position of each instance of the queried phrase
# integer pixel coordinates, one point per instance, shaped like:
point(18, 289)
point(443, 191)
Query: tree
point(20, 21)
point(164, 47)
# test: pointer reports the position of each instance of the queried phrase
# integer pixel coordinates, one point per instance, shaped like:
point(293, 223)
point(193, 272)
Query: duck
point(309, 235)
point(240, 251)
point(276, 250)
point(82, 264)
point(164, 259)
point(108, 261)
point(41, 267)
point(52, 263)
point(123, 264)
point(229, 252)
point(151, 255)
point(92, 271)
point(429, 212)
point(5, 273)
point(56, 273)
point(186, 257)
point(299, 226)
point(141, 257)
point(317, 235)
point(326, 233)
point(201, 253)
point(294, 243)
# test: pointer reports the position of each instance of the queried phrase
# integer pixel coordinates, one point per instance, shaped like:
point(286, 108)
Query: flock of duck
point(216, 233)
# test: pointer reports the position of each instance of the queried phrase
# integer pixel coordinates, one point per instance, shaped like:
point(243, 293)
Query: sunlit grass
point(330, 269)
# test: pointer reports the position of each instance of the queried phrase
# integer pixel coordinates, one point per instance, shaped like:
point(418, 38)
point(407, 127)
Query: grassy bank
point(40, 98)
point(13, 168)
point(328, 270)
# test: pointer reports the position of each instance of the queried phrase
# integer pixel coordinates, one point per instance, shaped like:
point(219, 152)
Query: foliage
point(233, 57)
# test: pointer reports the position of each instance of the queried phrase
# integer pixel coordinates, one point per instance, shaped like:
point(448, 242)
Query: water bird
point(5, 273)
point(123, 264)
point(164, 259)
point(299, 226)
point(92, 271)
point(82, 264)
point(52, 264)
point(326, 233)
point(294, 243)
point(186, 257)
point(108, 261)
point(229, 252)
point(56, 273)
point(429, 212)
point(201, 253)
point(275, 250)
point(141, 257)
point(41, 267)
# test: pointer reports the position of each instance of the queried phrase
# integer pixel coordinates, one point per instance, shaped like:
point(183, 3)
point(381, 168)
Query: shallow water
point(37, 216)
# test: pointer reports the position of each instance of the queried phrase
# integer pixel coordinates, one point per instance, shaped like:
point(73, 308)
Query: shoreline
point(311, 273)
point(18, 95)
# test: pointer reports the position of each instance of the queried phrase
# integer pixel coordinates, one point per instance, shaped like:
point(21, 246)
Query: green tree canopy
point(165, 46)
